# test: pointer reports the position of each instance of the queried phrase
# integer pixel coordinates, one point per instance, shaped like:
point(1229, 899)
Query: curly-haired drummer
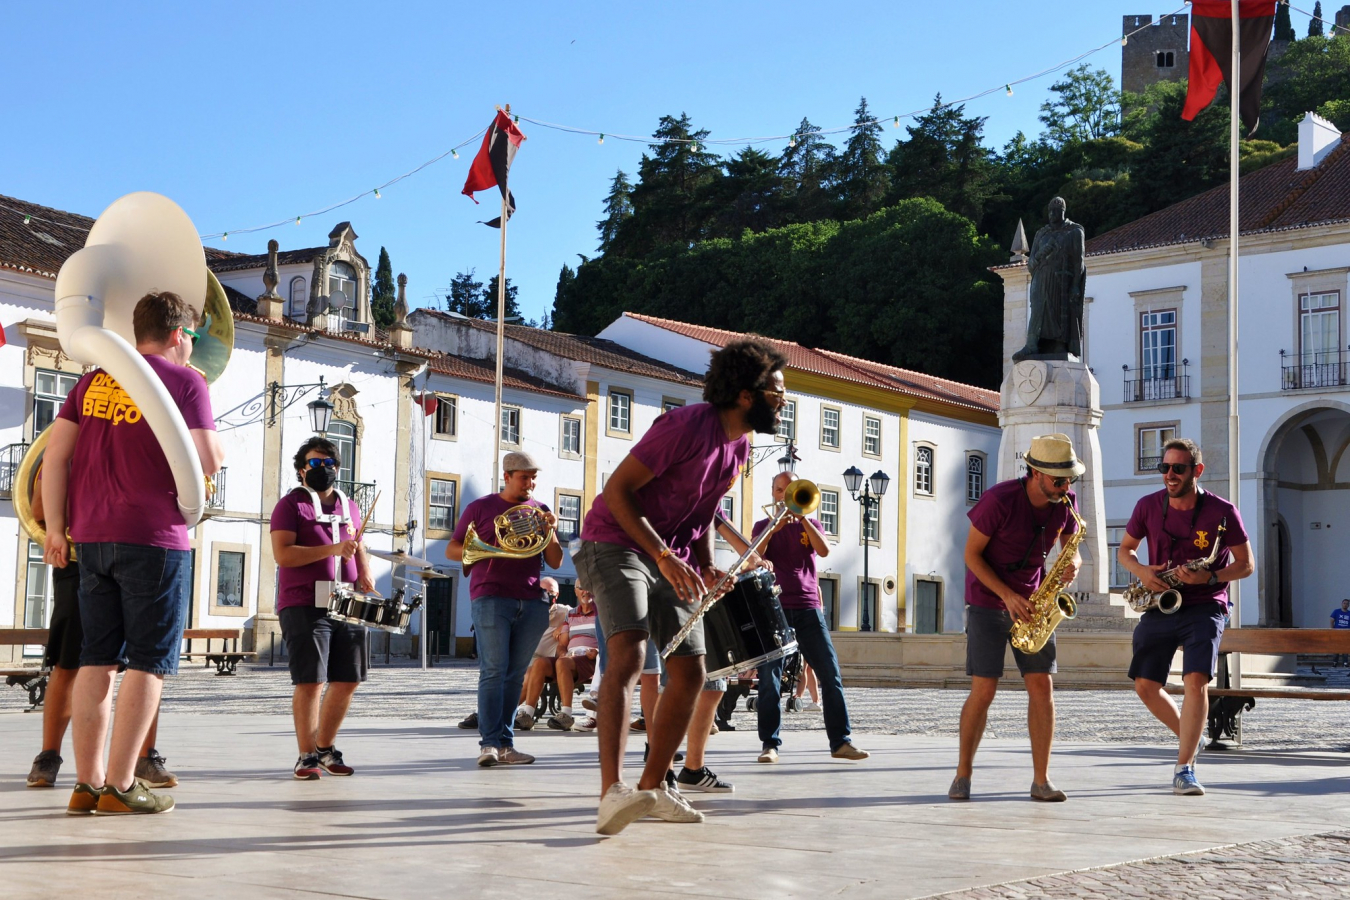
point(314, 540)
point(1013, 529)
point(647, 553)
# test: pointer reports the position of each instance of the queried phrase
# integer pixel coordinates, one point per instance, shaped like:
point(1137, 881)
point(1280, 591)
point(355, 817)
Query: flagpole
point(1234, 451)
point(501, 337)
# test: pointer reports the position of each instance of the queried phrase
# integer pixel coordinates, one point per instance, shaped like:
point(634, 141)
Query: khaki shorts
point(631, 594)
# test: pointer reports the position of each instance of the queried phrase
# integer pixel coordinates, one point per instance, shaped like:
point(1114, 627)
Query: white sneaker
point(488, 757)
point(622, 805)
point(812, 706)
point(672, 807)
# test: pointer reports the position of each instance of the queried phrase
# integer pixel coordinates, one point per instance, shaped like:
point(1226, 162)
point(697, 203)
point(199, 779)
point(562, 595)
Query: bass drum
point(747, 628)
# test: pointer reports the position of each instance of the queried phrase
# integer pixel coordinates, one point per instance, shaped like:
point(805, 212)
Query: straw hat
point(1053, 454)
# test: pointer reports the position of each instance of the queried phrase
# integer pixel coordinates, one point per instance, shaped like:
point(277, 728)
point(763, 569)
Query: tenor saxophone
point(1141, 599)
point(1050, 604)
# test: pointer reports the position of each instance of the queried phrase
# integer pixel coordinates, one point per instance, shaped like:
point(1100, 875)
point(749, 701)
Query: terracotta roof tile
point(847, 368)
point(1275, 198)
point(596, 351)
point(485, 371)
point(224, 261)
point(42, 245)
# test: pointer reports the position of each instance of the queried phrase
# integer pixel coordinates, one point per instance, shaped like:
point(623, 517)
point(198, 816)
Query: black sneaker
point(470, 721)
point(703, 779)
point(646, 748)
point(45, 767)
point(672, 783)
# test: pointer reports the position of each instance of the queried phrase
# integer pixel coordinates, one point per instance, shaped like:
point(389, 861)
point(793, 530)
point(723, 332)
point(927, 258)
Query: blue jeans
point(508, 630)
point(813, 642)
point(133, 600)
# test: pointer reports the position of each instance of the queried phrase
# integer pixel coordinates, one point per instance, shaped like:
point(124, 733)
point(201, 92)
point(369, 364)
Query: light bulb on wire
point(377, 193)
point(602, 138)
point(897, 122)
point(1008, 88)
point(297, 220)
point(792, 140)
point(455, 154)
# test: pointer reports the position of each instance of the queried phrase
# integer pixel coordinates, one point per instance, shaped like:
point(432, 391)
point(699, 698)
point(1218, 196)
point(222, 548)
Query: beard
point(761, 417)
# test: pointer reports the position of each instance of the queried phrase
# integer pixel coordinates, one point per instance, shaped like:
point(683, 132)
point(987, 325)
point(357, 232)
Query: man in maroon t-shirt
point(133, 549)
point(509, 607)
point(1013, 528)
point(1183, 523)
point(647, 554)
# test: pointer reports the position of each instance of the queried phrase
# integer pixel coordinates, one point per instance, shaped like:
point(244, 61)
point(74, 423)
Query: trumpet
point(521, 531)
point(800, 498)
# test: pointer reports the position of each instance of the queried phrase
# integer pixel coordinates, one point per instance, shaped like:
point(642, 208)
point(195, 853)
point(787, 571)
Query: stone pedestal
point(1042, 396)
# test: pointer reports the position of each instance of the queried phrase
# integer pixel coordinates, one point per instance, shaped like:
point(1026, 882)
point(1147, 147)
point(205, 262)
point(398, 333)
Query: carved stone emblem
point(1028, 378)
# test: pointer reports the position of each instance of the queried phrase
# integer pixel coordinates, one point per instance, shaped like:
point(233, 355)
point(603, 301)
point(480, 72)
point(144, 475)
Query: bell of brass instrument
point(1141, 599)
point(522, 532)
point(1050, 605)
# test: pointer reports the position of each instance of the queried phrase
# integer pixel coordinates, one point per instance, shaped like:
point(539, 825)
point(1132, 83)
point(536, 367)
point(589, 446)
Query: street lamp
point(320, 409)
point(869, 494)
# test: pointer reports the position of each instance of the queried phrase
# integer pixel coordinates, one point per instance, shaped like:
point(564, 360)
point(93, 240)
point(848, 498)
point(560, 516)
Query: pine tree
point(861, 174)
point(490, 300)
point(618, 209)
point(669, 200)
point(563, 301)
point(944, 158)
point(466, 297)
point(1284, 28)
point(805, 164)
point(382, 295)
point(1315, 28)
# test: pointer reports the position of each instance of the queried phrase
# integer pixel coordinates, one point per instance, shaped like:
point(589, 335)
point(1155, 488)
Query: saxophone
point(1141, 599)
point(1050, 605)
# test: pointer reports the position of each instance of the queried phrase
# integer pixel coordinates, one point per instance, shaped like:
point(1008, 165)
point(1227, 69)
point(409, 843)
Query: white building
point(1157, 340)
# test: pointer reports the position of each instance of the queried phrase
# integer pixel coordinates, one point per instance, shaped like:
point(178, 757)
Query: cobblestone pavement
point(1311, 866)
point(446, 694)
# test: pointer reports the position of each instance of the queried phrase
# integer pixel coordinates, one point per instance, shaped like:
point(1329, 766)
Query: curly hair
point(323, 445)
point(742, 365)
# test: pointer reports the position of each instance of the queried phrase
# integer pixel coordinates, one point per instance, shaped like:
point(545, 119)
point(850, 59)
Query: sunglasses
point(190, 333)
point(327, 462)
point(1174, 468)
point(1060, 482)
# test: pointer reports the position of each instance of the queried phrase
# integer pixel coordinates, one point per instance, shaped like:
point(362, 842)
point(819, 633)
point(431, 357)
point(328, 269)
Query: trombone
point(800, 498)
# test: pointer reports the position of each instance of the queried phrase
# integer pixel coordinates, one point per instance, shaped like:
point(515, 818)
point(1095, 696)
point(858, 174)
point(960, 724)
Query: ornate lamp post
point(320, 409)
point(869, 494)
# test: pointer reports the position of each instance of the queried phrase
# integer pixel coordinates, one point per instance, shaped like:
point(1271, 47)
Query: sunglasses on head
point(1174, 468)
point(327, 462)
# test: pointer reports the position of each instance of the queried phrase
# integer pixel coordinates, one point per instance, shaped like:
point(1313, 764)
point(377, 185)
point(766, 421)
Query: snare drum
point(346, 605)
point(747, 628)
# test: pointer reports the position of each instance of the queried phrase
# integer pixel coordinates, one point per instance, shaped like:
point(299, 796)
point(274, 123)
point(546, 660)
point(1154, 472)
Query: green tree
point(749, 195)
point(562, 295)
point(1178, 159)
point(669, 197)
point(490, 300)
point(1086, 106)
point(466, 297)
point(382, 293)
point(944, 158)
point(1315, 28)
point(806, 164)
point(860, 173)
point(1317, 77)
point(618, 209)
point(1284, 28)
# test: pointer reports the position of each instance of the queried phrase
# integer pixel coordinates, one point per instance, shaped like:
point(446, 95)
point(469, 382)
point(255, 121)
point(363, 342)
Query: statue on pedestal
point(1058, 278)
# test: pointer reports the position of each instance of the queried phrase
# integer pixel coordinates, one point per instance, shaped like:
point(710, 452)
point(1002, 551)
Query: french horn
point(521, 531)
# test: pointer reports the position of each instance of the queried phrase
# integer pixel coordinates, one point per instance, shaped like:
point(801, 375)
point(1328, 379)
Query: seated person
point(541, 666)
point(577, 665)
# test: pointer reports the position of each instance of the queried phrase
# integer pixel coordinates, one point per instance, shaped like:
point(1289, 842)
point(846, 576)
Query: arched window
point(923, 470)
point(343, 434)
point(299, 298)
point(974, 477)
point(342, 278)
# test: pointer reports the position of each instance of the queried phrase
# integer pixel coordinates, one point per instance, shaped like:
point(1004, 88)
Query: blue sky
point(246, 113)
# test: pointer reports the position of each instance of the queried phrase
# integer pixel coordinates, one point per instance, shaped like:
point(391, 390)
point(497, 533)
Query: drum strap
point(340, 516)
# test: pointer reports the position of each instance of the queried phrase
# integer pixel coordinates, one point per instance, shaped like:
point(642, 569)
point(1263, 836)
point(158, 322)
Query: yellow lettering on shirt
point(105, 399)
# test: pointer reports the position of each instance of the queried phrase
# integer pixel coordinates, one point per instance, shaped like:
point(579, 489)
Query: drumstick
point(362, 530)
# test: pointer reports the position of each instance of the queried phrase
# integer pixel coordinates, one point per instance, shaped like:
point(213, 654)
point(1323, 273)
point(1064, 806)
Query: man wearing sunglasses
point(1180, 523)
point(133, 549)
point(314, 541)
point(1013, 529)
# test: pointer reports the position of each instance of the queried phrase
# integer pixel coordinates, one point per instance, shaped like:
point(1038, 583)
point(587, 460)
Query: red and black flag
point(493, 162)
point(1212, 55)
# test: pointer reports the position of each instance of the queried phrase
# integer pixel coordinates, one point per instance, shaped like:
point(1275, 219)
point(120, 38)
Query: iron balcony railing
point(1149, 463)
point(10, 457)
point(216, 500)
point(1323, 369)
point(1152, 383)
point(362, 492)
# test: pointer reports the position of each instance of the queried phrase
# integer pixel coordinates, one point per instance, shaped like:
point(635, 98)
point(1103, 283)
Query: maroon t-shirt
point(121, 488)
point(794, 564)
point(295, 512)
point(499, 576)
point(1021, 537)
point(1176, 536)
point(694, 464)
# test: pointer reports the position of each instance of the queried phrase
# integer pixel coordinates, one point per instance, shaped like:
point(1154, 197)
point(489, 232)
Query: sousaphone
point(143, 242)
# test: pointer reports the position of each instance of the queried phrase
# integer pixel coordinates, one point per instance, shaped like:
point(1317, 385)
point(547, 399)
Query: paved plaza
point(420, 819)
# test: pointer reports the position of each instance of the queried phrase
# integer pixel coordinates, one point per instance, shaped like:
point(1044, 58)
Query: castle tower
point(1158, 53)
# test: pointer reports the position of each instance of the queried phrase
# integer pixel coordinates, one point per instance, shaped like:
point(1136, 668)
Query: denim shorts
point(133, 601)
point(1196, 628)
point(65, 637)
point(320, 649)
point(632, 595)
point(988, 632)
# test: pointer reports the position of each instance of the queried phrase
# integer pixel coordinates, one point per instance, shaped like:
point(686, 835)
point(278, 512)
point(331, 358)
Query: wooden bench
point(227, 658)
point(1226, 703)
point(32, 679)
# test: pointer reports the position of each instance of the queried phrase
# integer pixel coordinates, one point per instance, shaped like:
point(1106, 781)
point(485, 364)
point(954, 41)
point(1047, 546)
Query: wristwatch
point(1213, 579)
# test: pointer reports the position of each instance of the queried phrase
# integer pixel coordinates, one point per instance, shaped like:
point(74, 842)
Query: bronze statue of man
point(1058, 277)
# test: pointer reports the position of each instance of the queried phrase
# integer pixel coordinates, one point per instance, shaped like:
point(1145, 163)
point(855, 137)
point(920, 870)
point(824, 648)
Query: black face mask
point(322, 478)
point(760, 416)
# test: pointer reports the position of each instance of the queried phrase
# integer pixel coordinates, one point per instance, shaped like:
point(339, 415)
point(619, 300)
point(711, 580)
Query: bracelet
point(665, 551)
